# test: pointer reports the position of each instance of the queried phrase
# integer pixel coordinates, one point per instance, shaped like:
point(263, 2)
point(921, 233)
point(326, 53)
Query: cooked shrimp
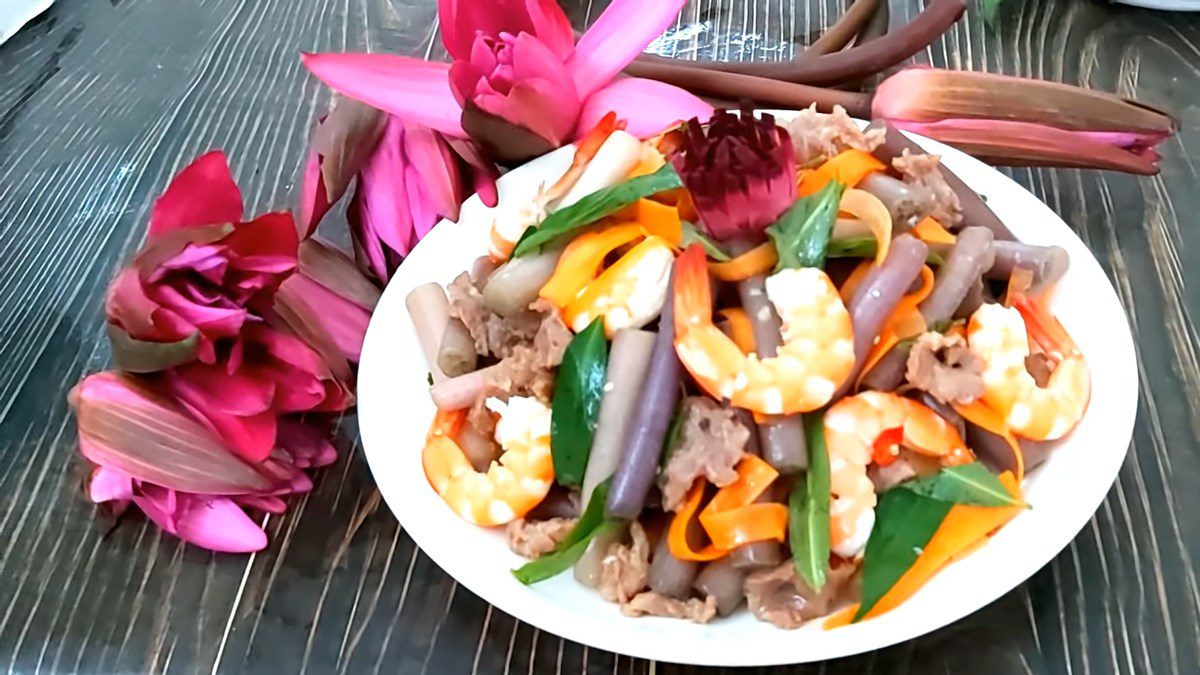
point(815, 355)
point(630, 293)
point(513, 484)
point(1002, 337)
point(602, 158)
point(857, 430)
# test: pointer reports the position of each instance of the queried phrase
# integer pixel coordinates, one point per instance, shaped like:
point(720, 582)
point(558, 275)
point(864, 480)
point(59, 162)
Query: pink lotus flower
point(740, 171)
point(410, 183)
point(148, 452)
point(257, 377)
point(519, 83)
point(202, 273)
point(1011, 120)
point(327, 304)
point(427, 171)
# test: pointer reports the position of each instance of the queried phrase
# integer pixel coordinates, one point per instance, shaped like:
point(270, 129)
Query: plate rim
point(555, 620)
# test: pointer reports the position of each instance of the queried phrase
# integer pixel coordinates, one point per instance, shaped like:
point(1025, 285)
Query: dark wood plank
point(101, 102)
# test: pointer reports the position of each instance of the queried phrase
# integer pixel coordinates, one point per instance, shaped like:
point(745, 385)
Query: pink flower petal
point(250, 436)
point(483, 172)
point(621, 33)
point(413, 89)
point(462, 20)
point(211, 387)
point(268, 503)
point(214, 523)
point(306, 442)
point(109, 484)
point(649, 106)
point(343, 321)
point(128, 306)
point(385, 207)
point(1009, 142)
point(125, 425)
point(314, 203)
point(433, 169)
point(202, 194)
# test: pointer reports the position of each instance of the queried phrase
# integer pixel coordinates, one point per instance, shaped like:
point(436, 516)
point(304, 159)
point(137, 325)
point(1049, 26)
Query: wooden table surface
point(101, 102)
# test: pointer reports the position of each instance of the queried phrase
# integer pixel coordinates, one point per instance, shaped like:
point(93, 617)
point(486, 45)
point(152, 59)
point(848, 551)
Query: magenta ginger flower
point(519, 84)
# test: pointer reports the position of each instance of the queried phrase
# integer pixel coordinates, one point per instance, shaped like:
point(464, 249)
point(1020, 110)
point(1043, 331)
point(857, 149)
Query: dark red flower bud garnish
point(740, 171)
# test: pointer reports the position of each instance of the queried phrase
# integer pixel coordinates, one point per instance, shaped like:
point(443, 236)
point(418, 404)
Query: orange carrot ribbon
point(848, 167)
point(731, 518)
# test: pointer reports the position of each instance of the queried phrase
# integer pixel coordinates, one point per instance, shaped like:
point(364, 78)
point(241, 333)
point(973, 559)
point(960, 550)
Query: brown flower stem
point(843, 31)
point(760, 90)
point(857, 62)
point(877, 27)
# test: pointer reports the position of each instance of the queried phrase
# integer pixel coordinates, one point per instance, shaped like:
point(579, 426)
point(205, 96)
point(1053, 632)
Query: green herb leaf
point(693, 235)
point(590, 524)
point(578, 387)
point(943, 326)
point(802, 232)
point(595, 206)
point(964, 484)
point(429, 378)
point(808, 509)
point(904, 523)
point(865, 247)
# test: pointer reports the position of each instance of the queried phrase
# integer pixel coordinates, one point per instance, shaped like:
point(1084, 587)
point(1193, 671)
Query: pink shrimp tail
point(1043, 328)
point(693, 293)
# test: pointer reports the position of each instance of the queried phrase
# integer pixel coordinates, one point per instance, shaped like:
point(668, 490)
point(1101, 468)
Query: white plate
point(17, 13)
point(395, 411)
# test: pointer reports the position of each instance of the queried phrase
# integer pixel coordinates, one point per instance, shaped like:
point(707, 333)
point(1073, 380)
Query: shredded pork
point(656, 604)
point(625, 567)
point(776, 595)
point(711, 442)
point(946, 368)
point(494, 335)
point(535, 538)
point(819, 135)
point(527, 370)
point(938, 199)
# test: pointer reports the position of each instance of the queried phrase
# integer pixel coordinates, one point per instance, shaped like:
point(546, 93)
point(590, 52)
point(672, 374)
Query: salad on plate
point(797, 368)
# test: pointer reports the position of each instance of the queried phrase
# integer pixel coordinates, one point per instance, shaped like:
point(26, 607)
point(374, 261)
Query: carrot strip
point(964, 527)
point(753, 522)
point(867, 208)
point(758, 260)
point(580, 262)
point(848, 167)
point(842, 617)
point(931, 231)
point(741, 330)
point(732, 518)
point(677, 534)
point(982, 415)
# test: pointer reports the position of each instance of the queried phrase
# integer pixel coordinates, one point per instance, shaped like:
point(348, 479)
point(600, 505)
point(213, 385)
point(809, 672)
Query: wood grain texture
point(100, 102)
